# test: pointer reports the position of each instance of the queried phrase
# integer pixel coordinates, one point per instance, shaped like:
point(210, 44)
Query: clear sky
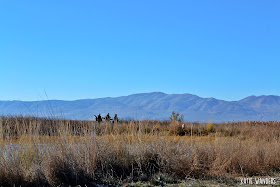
point(75, 49)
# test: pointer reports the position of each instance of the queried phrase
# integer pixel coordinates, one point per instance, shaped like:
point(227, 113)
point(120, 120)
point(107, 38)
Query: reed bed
point(51, 152)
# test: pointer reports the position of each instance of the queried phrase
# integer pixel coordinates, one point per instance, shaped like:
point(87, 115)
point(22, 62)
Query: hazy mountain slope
point(154, 105)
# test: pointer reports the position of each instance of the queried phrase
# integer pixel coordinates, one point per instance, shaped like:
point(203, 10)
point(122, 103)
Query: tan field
point(54, 152)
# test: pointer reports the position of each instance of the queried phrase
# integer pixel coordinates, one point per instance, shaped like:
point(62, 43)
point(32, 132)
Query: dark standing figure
point(108, 117)
point(116, 119)
point(98, 118)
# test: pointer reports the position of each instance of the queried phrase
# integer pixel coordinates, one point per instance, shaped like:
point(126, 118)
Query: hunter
point(98, 118)
point(116, 119)
point(108, 117)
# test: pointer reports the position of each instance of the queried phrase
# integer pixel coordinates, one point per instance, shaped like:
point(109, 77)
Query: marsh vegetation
point(51, 152)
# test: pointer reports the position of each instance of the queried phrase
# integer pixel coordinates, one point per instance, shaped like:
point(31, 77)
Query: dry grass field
point(54, 152)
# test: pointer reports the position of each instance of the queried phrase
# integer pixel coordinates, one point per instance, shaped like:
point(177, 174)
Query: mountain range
point(155, 105)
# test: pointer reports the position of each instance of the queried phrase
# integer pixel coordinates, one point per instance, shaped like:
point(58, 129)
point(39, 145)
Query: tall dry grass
point(36, 151)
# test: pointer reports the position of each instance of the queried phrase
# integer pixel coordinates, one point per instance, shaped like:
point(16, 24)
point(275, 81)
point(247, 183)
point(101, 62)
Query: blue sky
point(89, 49)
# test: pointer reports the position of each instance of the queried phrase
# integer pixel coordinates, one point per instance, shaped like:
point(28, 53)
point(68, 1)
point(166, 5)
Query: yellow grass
point(63, 152)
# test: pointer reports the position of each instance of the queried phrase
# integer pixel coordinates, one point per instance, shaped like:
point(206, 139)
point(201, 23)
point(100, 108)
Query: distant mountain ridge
point(155, 105)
